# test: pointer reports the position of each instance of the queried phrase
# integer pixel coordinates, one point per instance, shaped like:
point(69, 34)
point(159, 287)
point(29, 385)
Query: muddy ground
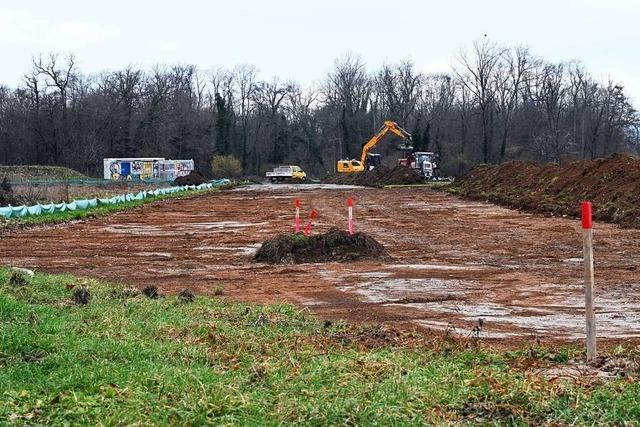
point(454, 261)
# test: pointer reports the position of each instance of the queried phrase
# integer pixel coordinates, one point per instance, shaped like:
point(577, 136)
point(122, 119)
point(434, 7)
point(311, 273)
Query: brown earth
point(378, 177)
point(611, 184)
point(453, 263)
point(193, 178)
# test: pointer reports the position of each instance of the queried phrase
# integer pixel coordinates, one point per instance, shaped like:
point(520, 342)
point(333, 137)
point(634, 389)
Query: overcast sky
point(300, 39)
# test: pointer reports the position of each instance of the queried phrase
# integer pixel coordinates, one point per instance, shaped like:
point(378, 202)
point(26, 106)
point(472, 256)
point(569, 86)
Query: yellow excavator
point(369, 161)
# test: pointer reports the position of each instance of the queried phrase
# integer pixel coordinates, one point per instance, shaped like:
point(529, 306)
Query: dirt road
point(454, 261)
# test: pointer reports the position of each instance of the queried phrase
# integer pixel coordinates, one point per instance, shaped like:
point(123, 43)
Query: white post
point(297, 220)
point(350, 206)
point(587, 224)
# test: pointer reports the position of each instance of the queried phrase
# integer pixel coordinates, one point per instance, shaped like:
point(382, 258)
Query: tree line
point(496, 104)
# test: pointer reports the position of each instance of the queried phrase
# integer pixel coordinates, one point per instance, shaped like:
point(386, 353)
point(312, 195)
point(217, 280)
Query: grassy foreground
point(128, 359)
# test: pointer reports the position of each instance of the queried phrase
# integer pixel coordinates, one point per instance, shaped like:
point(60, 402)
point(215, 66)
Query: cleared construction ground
point(453, 262)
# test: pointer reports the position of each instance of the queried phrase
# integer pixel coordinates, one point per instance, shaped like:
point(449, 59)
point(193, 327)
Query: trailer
point(145, 169)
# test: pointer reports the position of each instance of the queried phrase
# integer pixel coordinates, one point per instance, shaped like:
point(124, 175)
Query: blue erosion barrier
point(83, 204)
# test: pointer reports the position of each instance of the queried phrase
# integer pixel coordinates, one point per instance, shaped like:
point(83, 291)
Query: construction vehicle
point(287, 174)
point(368, 160)
point(424, 162)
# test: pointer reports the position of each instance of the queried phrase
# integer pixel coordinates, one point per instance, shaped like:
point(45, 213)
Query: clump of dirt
point(18, 279)
point(334, 245)
point(378, 177)
point(7, 197)
point(81, 296)
point(186, 295)
point(194, 178)
point(371, 336)
point(151, 291)
point(128, 292)
point(611, 184)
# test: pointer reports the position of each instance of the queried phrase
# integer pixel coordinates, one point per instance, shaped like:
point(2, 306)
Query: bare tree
point(245, 85)
point(400, 87)
point(514, 67)
point(347, 91)
point(476, 73)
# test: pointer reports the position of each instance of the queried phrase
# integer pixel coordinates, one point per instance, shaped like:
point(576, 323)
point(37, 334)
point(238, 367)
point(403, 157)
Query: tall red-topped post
point(587, 227)
point(297, 223)
point(350, 207)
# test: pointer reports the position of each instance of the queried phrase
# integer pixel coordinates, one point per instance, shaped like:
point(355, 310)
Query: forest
point(495, 104)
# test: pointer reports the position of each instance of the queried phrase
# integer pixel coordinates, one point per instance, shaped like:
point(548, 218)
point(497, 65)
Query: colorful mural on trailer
point(146, 169)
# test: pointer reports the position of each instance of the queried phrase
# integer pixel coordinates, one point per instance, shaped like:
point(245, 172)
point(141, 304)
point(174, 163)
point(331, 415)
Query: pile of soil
point(7, 197)
point(378, 177)
point(334, 245)
point(611, 184)
point(194, 178)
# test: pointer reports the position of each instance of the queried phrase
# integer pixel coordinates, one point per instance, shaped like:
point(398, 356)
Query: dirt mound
point(29, 172)
point(378, 177)
point(194, 178)
point(611, 184)
point(7, 197)
point(335, 245)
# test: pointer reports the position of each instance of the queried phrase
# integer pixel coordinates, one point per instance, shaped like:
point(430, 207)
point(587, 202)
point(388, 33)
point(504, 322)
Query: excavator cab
point(373, 161)
point(350, 166)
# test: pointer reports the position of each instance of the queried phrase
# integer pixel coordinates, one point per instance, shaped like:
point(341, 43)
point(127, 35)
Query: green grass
point(39, 172)
point(101, 210)
point(126, 359)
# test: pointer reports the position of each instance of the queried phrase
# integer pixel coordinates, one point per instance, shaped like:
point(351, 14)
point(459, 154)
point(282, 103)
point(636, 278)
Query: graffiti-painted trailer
point(146, 169)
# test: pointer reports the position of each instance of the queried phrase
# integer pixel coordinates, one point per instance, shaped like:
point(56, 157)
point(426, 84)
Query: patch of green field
point(128, 359)
point(39, 172)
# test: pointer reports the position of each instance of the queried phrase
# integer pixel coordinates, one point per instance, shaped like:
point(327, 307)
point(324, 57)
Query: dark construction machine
point(369, 160)
point(424, 162)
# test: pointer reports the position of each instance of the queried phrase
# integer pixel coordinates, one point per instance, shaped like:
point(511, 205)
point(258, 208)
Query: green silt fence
point(83, 204)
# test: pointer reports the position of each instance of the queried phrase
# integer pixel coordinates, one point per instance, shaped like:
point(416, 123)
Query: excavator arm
point(388, 126)
point(359, 166)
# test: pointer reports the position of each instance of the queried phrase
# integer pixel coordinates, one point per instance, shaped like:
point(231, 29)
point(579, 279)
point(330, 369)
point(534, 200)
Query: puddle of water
point(249, 249)
point(242, 250)
point(469, 312)
point(443, 326)
point(390, 290)
point(156, 254)
point(432, 267)
point(618, 324)
point(172, 230)
point(375, 274)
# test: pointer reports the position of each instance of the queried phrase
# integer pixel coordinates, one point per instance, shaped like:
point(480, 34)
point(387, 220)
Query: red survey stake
point(309, 227)
point(350, 208)
point(587, 215)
